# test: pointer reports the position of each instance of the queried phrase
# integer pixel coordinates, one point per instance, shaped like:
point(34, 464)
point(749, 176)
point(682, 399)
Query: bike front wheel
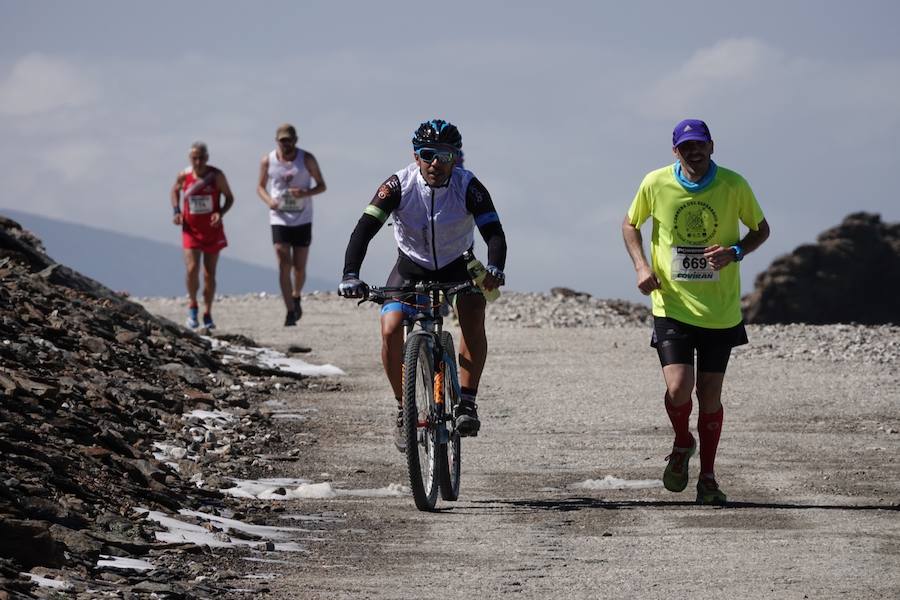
point(450, 454)
point(419, 423)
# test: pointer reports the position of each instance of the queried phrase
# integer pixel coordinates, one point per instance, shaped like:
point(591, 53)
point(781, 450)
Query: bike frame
point(428, 322)
point(427, 349)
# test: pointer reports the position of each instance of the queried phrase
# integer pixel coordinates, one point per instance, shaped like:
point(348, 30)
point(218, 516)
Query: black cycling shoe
point(291, 319)
point(465, 417)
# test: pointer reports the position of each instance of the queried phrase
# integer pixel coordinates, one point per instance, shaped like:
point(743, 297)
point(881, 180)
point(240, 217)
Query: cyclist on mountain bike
point(435, 206)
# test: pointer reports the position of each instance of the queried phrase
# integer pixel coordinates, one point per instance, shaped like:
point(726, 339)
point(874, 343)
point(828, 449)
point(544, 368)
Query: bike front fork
point(442, 434)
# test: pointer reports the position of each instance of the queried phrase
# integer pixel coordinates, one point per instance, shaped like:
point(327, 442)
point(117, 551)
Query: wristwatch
point(738, 252)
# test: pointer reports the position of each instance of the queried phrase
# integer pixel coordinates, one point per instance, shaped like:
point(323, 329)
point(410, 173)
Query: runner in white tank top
point(285, 178)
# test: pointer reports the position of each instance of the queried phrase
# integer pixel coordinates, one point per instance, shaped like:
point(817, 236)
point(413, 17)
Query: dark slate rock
point(30, 544)
point(851, 275)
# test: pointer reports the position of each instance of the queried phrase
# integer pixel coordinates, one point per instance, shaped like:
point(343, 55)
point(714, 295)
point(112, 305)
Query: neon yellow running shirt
point(684, 223)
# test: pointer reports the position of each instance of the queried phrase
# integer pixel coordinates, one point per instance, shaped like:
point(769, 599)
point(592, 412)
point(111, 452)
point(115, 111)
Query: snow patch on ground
point(614, 483)
point(272, 359)
point(119, 562)
point(217, 535)
point(293, 489)
point(210, 418)
point(46, 582)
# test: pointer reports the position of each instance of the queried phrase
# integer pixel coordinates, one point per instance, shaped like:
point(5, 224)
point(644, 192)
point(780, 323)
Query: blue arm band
point(483, 219)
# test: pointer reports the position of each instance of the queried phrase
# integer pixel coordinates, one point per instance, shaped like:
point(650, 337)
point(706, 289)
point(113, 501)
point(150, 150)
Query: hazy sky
point(563, 107)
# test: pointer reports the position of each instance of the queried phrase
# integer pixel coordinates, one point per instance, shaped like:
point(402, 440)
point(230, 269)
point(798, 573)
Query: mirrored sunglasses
point(442, 156)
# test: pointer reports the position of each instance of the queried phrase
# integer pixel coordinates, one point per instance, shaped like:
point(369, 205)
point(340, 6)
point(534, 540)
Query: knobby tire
point(418, 405)
point(450, 454)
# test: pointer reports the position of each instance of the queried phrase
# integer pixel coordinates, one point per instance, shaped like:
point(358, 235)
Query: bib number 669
point(694, 263)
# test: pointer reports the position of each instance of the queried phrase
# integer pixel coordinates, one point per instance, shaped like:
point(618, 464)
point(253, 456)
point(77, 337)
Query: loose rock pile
point(566, 308)
point(852, 275)
point(836, 343)
point(91, 387)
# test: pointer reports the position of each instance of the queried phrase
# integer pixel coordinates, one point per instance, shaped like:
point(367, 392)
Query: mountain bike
point(430, 390)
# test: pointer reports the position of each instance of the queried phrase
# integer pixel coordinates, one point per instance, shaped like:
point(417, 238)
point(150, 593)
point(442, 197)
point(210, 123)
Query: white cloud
point(727, 69)
point(40, 84)
point(748, 73)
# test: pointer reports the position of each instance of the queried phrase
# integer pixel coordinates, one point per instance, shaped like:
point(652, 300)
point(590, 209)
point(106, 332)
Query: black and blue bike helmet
point(437, 132)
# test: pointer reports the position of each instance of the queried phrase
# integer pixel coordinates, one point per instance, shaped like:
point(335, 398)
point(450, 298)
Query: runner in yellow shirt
point(694, 283)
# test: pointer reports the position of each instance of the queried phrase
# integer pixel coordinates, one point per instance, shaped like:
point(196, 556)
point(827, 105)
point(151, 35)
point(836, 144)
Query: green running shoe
point(675, 477)
point(708, 492)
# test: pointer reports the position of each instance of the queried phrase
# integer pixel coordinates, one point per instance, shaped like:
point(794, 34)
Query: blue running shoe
point(208, 322)
point(192, 318)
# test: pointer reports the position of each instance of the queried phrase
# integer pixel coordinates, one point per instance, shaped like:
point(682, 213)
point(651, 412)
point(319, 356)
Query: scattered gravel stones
point(879, 344)
point(564, 308)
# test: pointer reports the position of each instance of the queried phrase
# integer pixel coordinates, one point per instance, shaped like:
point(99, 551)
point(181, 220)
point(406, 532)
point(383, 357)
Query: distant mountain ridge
point(140, 266)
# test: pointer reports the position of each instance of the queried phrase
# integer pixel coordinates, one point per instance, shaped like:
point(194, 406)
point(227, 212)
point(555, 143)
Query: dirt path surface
point(809, 459)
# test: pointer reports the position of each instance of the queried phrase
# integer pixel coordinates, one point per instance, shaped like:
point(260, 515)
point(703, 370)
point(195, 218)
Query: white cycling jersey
point(432, 226)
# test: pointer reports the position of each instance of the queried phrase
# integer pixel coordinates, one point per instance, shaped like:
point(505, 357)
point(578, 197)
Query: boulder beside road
point(851, 275)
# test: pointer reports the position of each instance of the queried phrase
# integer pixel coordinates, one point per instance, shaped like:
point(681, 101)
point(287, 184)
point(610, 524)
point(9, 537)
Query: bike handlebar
point(380, 295)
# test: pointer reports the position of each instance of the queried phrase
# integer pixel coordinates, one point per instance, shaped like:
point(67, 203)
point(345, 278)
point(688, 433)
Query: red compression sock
point(709, 426)
point(680, 416)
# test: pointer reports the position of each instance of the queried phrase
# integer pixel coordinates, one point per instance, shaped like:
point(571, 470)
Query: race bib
point(200, 205)
point(689, 264)
point(291, 204)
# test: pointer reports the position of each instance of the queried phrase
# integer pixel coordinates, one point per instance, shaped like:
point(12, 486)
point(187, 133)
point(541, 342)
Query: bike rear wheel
point(419, 422)
point(450, 454)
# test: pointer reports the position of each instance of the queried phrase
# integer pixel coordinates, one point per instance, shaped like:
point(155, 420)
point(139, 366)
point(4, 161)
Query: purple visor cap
point(690, 129)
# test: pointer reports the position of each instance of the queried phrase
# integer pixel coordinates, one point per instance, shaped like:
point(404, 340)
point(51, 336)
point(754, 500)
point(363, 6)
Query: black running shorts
point(676, 342)
point(299, 235)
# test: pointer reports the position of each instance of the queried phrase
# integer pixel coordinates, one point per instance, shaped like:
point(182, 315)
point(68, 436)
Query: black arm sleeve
point(365, 230)
point(496, 244)
point(386, 199)
point(479, 203)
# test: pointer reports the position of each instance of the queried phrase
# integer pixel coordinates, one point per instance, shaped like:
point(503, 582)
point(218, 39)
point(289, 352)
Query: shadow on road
point(570, 504)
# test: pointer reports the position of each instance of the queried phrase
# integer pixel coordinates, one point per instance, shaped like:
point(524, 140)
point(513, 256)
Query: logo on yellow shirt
point(695, 223)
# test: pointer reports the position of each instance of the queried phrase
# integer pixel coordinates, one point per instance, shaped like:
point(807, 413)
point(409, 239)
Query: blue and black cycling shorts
point(406, 273)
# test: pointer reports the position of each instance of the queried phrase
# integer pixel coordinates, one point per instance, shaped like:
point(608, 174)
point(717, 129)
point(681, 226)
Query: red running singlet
point(200, 200)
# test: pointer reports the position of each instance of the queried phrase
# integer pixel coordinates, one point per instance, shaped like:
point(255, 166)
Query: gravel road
point(571, 409)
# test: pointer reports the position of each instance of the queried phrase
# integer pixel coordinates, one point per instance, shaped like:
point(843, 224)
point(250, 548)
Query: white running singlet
point(283, 175)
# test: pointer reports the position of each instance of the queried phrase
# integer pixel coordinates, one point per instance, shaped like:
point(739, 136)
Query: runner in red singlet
point(196, 207)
